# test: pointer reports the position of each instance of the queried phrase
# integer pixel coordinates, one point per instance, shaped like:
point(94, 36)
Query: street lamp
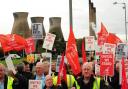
point(124, 7)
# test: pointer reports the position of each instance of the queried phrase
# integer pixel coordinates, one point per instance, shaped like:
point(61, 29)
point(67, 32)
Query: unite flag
point(102, 35)
point(62, 71)
point(72, 53)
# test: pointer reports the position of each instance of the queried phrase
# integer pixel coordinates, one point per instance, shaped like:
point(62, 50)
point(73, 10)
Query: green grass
point(15, 61)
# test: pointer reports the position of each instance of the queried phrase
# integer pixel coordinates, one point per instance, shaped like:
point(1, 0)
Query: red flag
point(16, 42)
point(103, 29)
point(83, 51)
point(72, 53)
point(102, 35)
point(113, 39)
point(62, 71)
point(124, 80)
point(3, 43)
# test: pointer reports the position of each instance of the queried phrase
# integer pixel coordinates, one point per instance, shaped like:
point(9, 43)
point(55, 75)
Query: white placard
point(120, 51)
point(49, 41)
point(10, 64)
point(37, 30)
point(97, 51)
point(35, 84)
point(109, 48)
point(90, 43)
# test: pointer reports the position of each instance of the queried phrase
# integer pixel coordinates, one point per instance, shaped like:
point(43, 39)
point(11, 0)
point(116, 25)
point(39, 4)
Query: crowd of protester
point(40, 71)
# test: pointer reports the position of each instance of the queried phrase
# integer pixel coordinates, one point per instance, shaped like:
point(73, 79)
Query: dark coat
point(53, 87)
point(89, 85)
point(22, 81)
point(115, 81)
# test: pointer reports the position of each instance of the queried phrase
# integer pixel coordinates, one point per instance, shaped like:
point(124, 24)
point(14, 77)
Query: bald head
point(39, 64)
point(39, 69)
point(48, 81)
point(46, 66)
point(48, 77)
point(87, 69)
point(88, 65)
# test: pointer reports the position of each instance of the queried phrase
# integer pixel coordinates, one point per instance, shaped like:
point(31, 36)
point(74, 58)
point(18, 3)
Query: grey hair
point(88, 64)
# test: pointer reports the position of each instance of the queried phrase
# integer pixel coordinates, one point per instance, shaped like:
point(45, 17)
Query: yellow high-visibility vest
point(10, 82)
point(70, 81)
point(96, 83)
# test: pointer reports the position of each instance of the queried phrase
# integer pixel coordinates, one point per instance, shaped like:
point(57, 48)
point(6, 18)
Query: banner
point(37, 32)
point(49, 41)
point(90, 43)
point(106, 65)
point(30, 46)
point(16, 42)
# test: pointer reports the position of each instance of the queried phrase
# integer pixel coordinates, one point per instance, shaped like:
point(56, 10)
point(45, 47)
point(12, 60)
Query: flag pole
point(70, 14)
point(70, 20)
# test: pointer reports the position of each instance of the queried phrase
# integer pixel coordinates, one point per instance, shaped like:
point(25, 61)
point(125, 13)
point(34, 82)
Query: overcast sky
point(112, 16)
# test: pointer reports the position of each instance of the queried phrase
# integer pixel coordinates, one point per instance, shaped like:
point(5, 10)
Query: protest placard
point(10, 64)
point(37, 32)
point(30, 47)
point(49, 41)
point(106, 65)
point(47, 57)
point(35, 84)
point(90, 43)
point(109, 48)
point(120, 51)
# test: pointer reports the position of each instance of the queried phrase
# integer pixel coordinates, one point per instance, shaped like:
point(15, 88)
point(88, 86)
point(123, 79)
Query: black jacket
point(89, 85)
point(115, 81)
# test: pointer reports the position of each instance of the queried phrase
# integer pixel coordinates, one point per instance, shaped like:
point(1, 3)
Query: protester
point(40, 73)
point(26, 70)
point(46, 66)
point(53, 69)
point(22, 80)
point(6, 82)
point(114, 82)
point(69, 82)
point(49, 82)
point(87, 80)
